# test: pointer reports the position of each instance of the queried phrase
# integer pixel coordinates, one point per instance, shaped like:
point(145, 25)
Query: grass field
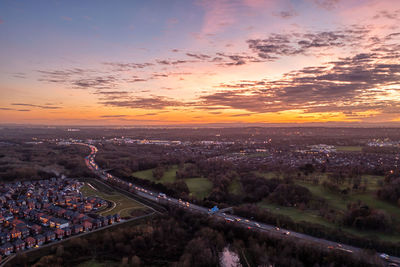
point(349, 148)
point(168, 177)
point(235, 187)
point(198, 187)
point(312, 217)
point(121, 203)
point(338, 202)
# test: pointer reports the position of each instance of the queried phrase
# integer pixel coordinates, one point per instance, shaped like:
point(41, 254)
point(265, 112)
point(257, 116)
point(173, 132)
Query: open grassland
point(338, 202)
point(121, 204)
point(235, 187)
point(199, 187)
point(311, 216)
point(168, 177)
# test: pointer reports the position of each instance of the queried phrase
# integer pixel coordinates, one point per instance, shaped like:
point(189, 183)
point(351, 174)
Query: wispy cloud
point(36, 106)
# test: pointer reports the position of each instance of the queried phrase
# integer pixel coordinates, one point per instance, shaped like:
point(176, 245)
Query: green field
point(349, 148)
point(235, 187)
point(121, 204)
point(199, 187)
point(338, 202)
point(312, 217)
point(168, 177)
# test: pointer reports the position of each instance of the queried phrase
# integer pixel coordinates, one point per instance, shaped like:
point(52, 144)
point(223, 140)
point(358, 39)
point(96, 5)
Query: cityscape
point(226, 133)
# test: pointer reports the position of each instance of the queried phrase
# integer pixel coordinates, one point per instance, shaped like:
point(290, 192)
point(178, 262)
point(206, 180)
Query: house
point(110, 219)
point(58, 223)
point(36, 229)
point(60, 212)
point(30, 242)
point(59, 233)
point(24, 232)
point(19, 245)
point(50, 236)
point(5, 237)
point(104, 221)
point(77, 228)
point(40, 239)
point(6, 249)
point(96, 223)
point(88, 207)
point(67, 231)
point(15, 233)
point(87, 226)
point(68, 214)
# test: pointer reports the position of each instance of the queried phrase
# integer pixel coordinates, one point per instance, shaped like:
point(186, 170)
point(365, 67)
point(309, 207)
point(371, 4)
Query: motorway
point(249, 224)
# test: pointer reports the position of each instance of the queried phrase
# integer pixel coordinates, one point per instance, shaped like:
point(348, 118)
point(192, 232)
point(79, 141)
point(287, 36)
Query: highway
point(247, 223)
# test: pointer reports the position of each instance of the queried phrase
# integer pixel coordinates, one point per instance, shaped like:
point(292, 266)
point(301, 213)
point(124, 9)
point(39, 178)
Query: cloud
point(198, 56)
point(36, 106)
point(113, 116)
point(61, 76)
point(350, 84)
point(393, 15)
point(172, 62)
point(120, 66)
point(100, 82)
point(19, 75)
point(291, 44)
point(286, 14)
point(111, 95)
point(326, 4)
point(154, 102)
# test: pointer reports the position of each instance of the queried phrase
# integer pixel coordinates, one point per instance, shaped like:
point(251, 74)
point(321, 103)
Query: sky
point(198, 62)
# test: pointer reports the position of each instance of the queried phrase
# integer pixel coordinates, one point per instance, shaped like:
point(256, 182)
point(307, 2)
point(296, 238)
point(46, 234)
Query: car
point(246, 220)
point(277, 228)
point(286, 233)
point(339, 245)
point(257, 225)
point(384, 256)
point(238, 219)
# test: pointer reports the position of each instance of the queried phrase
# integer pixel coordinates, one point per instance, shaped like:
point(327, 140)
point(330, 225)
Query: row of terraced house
point(37, 212)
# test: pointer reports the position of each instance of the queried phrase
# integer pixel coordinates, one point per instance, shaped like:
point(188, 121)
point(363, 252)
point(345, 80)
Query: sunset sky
point(198, 62)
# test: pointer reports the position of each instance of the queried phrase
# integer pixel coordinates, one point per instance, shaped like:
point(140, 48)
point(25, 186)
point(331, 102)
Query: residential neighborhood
point(33, 213)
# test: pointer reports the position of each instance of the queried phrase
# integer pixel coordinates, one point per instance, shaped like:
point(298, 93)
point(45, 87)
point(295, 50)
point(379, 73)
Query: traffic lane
point(253, 224)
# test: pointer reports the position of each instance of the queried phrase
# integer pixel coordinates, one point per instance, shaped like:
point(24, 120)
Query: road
point(250, 224)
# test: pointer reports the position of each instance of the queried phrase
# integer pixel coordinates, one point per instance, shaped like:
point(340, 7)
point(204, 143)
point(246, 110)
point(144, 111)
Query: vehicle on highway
point(277, 228)
point(258, 225)
point(384, 256)
point(229, 220)
point(238, 219)
point(286, 233)
point(162, 195)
